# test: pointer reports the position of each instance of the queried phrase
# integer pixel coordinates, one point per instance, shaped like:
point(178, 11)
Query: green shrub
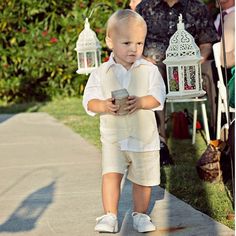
point(37, 41)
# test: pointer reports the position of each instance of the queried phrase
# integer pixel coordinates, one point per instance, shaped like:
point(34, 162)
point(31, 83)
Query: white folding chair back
point(222, 92)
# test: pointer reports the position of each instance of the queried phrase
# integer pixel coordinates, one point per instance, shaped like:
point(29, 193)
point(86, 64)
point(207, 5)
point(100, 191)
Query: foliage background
point(37, 41)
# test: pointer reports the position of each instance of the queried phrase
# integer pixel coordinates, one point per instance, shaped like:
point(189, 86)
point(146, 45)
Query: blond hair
point(123, 15)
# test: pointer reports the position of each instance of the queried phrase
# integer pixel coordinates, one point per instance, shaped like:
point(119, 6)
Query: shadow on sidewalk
point(126, 207)
point(5, 117)
point(25, 217)
point(6, 112)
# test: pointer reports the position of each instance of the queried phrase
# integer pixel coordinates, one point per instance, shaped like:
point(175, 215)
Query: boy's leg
point(141, 197)
point(144, 172)
point(111, 192)
point(113, 167)
point(110, 197)
point(141, 221)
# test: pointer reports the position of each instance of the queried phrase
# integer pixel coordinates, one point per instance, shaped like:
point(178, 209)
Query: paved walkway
point(50, 185)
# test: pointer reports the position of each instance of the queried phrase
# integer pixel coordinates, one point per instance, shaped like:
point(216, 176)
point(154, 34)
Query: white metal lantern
point(183, 65)
point(88, 50)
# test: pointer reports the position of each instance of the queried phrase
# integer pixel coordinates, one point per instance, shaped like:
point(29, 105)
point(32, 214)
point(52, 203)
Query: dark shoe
point(165, 157)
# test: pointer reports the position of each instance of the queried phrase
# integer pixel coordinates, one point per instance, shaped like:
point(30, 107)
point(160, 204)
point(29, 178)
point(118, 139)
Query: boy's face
point(127, 42)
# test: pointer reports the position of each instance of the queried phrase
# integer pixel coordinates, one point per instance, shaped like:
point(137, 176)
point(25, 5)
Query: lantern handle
point(99, 5)
point(180, 25)
point(184, 11)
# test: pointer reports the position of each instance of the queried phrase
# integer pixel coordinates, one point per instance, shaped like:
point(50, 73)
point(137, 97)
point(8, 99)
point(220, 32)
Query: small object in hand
point(121, 97)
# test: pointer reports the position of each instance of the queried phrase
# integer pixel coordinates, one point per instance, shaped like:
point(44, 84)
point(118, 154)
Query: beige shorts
point(143, 167)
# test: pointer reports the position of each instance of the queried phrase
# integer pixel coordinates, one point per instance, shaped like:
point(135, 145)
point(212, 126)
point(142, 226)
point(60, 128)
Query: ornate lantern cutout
point(183, 65)
point(88, 50)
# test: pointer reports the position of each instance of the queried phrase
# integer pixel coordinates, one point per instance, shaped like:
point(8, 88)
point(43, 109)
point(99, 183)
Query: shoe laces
point(141, 216)
point(110, 215)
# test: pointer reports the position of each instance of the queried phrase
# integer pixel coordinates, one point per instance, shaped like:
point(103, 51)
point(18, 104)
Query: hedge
point(37, 41)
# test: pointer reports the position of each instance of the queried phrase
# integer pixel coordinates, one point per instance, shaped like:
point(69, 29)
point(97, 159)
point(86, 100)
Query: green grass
point(181, 179)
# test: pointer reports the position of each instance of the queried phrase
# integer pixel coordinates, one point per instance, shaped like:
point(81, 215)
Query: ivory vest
point(141, 124)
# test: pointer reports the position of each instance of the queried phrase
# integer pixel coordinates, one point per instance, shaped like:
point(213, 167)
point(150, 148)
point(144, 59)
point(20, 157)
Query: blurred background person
point(161, 17)
point(227, 6)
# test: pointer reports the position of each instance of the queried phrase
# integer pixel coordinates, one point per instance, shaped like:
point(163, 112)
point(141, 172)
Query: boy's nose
point(134, 47)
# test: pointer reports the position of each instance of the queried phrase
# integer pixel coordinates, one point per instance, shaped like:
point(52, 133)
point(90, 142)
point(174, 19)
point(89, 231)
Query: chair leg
point(172, 107)
point(194, 122)
point(205, 121)
point(167, 116)
point(219, 110)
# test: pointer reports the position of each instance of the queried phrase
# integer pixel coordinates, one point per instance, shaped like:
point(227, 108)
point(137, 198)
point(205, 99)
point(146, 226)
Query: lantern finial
point(86, 24)
point(180, 25)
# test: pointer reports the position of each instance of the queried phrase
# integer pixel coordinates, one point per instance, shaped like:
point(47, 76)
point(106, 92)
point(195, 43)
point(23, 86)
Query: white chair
point(195, 101)
point(222, 92)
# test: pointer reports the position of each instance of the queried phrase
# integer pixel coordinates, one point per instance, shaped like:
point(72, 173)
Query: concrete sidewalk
point(50, 185)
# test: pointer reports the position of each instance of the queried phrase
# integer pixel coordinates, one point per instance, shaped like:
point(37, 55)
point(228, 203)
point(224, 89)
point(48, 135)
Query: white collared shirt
point(217, 20)
point(156, 89)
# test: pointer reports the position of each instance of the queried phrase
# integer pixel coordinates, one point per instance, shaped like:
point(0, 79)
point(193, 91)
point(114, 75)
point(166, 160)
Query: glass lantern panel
point(200, 77)
point(81, 61)
point(189, 78)
point(173, 76)
point(98, 57)
point(91, 59)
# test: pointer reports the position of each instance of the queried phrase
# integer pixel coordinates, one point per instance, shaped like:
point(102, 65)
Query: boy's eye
point(128, 43)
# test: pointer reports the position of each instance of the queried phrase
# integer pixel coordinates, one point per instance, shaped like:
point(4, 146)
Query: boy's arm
point(93, 100)
point(146, 102)
point(102, 106)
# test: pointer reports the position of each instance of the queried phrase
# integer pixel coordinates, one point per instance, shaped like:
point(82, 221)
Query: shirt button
point(170, 13)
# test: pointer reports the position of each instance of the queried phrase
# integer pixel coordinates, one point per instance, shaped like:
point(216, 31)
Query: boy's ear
point(109, 42)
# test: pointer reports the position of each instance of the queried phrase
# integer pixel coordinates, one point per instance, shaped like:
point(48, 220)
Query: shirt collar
point(229, 10)
point(111, 62)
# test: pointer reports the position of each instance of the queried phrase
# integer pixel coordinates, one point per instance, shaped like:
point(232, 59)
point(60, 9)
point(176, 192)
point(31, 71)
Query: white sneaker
point(107, 223)
point(142, 223)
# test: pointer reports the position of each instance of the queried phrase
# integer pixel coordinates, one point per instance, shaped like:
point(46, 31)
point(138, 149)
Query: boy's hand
point(110, 107)
point(146, 102)
point(134, 103)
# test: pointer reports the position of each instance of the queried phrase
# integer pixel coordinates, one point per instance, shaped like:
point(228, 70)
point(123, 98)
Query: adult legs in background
point(231, 143)
point(210, 77)
point(160, 119)
point(160, 115)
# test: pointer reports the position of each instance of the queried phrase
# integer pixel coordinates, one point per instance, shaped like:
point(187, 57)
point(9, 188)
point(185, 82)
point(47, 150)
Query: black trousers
point(210, 77)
